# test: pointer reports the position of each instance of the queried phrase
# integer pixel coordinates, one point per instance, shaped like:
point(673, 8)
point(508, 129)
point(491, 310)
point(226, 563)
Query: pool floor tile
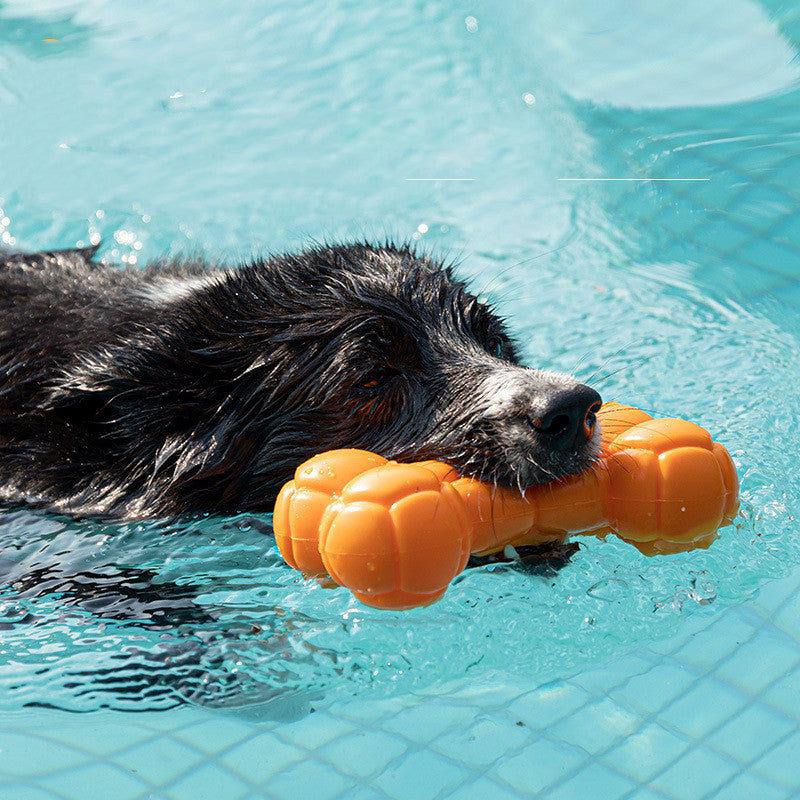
point(315, 730)
point(751, 733)
point(425, 722)
point(647, 752)
point(647, 793)
point(752, 787)
point(368, 715)
point(18, 791)
point(593, 781)
point(97, 782)
point(706, 705)
point(484, 789)
point(596, 727)
point(761, 661)
point(310, 779)
point(771, 254)
point(421, 775)
point(600, 681)
point(656, 688)
point(539, 766)
point(24, 754)
point(549, 704)
point(261, 757)
point(213, 735)
point(483, 743)
point(784, 693)
point(209, 782)
point(100, 737)
point(782, 763)
point(159, 760)
point(696, 775)
point(705, 651)
point(363, 754)
point(787, 618)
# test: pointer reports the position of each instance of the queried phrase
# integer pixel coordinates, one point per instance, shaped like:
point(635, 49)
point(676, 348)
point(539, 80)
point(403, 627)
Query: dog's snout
point(568, 417)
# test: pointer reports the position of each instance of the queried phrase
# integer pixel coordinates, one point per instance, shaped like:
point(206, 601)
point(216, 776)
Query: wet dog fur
point(187, 387)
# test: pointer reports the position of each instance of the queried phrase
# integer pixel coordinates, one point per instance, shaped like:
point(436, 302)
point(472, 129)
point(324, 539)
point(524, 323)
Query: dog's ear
point(78, 257)
point(84, 254)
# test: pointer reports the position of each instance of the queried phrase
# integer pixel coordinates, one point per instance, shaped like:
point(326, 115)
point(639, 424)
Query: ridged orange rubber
point(397, 534)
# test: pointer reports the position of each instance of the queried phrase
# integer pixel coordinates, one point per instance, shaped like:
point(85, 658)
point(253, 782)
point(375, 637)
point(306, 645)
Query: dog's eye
point(495, 346)
point(377, 377)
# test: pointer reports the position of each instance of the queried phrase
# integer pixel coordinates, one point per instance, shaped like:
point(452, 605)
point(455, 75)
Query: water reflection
point(700, 53)
point(47, 34)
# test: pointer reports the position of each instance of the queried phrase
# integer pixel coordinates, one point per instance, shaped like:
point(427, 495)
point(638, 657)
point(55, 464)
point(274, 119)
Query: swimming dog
point(186, 387)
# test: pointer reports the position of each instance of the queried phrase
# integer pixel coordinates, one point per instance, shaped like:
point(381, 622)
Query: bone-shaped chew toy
point(397, 534)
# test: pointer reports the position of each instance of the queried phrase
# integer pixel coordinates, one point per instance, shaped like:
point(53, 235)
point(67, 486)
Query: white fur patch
point(164, 291)
point(503, 389)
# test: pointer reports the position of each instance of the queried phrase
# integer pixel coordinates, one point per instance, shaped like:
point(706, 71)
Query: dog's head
point(382, 349)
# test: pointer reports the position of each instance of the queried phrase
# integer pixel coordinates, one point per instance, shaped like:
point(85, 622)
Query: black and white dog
point(188, 387)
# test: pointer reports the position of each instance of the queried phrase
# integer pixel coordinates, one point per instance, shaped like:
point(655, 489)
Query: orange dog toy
point(397, 534)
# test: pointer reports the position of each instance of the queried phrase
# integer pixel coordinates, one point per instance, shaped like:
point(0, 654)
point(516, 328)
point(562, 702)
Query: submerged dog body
point(184, 387)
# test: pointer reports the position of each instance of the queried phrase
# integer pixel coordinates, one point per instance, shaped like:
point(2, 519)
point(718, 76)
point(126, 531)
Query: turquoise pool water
point(248, 127)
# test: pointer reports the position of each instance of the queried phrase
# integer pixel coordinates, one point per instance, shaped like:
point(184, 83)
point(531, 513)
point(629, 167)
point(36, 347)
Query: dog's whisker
point(486, 288)
point(617, 352)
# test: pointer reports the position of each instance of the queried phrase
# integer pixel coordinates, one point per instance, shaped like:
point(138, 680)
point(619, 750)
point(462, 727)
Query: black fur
point(184, 387)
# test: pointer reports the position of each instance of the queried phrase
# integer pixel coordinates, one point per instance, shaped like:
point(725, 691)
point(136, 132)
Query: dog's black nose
point(568, 417)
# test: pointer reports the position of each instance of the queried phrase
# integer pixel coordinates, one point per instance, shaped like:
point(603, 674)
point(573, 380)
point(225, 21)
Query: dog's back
point(55, 305)
point(59, 312)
